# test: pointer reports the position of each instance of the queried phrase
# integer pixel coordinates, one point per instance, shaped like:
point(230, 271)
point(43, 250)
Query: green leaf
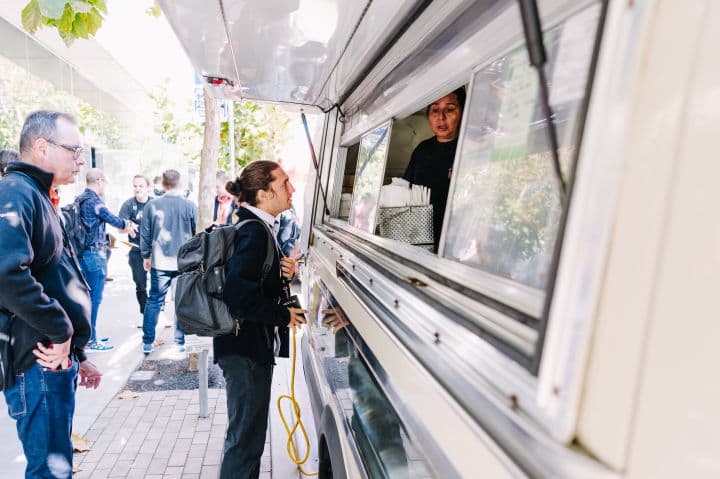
point(31, 16)
point(79, 26)
point(81, 6)
point(153, 11)
point(67, 37)
point(100, 5)
point(66, 21)
point(94, 21)
point(52, 8)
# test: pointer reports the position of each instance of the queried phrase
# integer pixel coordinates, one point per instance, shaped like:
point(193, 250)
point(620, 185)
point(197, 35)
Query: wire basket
point(409, 224)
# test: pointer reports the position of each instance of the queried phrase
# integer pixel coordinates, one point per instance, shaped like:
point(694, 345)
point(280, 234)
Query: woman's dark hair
point(256, 176)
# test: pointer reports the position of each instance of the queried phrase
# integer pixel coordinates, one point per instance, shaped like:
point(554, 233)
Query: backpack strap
point(135, 207)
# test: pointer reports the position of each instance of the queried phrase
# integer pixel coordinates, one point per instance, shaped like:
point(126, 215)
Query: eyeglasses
point(77, 150)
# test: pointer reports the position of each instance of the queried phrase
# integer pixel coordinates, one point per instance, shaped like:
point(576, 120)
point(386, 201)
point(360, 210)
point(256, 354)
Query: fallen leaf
point(158, 342)
point(128, 394)
point(80, 444)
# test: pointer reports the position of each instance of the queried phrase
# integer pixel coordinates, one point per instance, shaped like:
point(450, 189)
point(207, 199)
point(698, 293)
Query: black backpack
point(74, 229)
point(199, 306)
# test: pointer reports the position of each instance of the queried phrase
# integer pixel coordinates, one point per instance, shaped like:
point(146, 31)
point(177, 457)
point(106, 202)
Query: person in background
point(224, 204)
point(94, 215)
point(132, 209)
point(288, 235)
point(247, 359)
point(432, 160)
point(44, 295)
point(168, 222)
point(158, 189)
point(7, 156)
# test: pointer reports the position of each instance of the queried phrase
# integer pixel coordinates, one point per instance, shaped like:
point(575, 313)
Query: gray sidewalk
point(157, 435)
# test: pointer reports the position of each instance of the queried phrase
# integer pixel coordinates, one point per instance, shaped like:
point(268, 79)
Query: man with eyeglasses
point(43, 299)
point(94, 215)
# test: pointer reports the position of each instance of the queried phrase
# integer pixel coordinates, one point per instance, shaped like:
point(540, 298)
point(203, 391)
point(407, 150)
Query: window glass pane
point(368, 178)
point(505, 210)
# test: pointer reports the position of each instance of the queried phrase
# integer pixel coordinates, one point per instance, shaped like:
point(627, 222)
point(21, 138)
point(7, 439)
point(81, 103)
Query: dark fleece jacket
point(40, 281)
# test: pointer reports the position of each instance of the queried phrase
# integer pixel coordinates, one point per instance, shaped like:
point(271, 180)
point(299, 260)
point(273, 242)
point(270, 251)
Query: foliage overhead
point(73, 19)
point(22, 93)
point(259, 129)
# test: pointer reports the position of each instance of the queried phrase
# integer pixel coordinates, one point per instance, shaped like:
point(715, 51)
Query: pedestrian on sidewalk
point(169, 222)
point(94, 215)
point(44, 293)
point(247, 358)
point(224, 203)
point(132, 210)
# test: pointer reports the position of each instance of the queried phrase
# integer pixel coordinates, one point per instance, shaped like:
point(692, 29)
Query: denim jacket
point(94, 214)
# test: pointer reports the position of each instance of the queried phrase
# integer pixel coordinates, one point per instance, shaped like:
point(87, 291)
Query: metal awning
point(305, 52)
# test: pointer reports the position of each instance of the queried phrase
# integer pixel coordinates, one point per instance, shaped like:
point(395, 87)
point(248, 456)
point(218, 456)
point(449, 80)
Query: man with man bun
point(247, 358)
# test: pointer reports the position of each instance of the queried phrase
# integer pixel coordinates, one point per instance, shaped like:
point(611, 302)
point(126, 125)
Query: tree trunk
point(208, 162)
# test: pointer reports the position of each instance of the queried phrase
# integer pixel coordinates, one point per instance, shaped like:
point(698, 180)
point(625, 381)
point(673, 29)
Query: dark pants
point(160, 281)
point(248, 399)
point(42, 404)
point(94, 267)
point(139, 276)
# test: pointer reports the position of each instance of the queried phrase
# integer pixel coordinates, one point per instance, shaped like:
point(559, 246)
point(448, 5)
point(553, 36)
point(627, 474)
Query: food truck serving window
point(505, 208)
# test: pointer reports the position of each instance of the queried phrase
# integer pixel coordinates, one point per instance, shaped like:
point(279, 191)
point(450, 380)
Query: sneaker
point(104, 340)
point(148, 348)
point(99, 347)
point(180, 348)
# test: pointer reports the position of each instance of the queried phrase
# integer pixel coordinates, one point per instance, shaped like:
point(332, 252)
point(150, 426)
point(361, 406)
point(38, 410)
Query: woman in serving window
point(431, 162)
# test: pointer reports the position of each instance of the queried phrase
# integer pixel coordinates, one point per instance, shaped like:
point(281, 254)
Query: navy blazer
point(259, 307)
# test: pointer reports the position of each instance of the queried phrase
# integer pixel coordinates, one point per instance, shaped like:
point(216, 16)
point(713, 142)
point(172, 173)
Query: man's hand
point(288, 267)
point(53, 356)
point(130, 228)
point(296, 318)
point(90, 376)
point(147, 264)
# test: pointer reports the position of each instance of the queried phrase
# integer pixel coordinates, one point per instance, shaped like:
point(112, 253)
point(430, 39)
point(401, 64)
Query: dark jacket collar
point(43, 178)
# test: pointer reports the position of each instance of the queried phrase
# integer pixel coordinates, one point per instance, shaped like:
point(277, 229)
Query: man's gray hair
point(41, 124)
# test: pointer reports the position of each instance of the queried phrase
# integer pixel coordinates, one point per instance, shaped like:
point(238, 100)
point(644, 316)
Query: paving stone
point(157, 466)
point(173, 472)
point(108, 461)
point(209, 472)
point(193, 465)
point(121, 469)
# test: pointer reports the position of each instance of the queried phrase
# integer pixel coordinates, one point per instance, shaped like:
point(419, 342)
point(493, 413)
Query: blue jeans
point(160, 281)
point(42, 404)
point(248, 400)
point(94, 267)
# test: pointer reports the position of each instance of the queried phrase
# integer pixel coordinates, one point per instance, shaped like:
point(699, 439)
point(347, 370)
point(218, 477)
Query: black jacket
point(41, 282)
point(242, 294)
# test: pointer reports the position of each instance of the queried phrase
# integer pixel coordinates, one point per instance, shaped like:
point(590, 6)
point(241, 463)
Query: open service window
point(504, 211)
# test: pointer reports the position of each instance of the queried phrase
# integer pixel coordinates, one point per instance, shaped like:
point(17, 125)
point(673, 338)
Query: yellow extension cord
point(292, 449)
